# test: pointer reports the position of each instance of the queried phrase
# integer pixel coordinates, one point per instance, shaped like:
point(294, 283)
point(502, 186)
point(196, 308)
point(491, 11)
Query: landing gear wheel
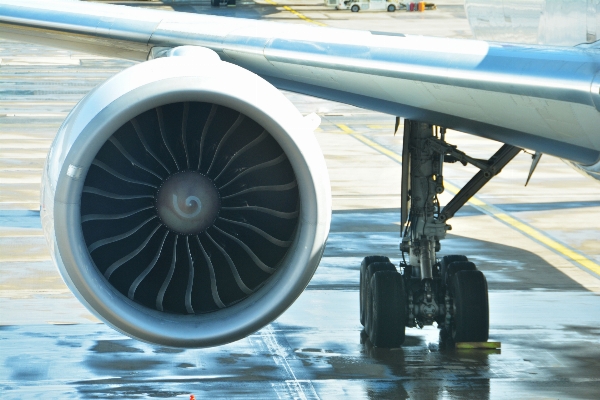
point(391, 8)
point(407, 270)
point(354, 8)
point(455, 267)
point(471, 309)
point(372, 269)
point(446, 261)
point(215, 3)
point(388, 314)
point(363, 272)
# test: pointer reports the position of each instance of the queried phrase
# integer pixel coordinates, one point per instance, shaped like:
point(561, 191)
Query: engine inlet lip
point(197, 212)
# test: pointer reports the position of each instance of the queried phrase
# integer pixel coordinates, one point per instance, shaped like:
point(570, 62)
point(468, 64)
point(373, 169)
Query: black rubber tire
point(215, 3)
point(455, 267)
point(362, 291)
point(354, 8)
point(389, 313)
point(447, 260)
point(471, 307)
point(391, 8)
point(406, 270)
point(371, 270)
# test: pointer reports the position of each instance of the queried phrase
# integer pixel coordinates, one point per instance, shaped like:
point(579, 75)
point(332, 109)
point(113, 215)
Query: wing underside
point(542, 98)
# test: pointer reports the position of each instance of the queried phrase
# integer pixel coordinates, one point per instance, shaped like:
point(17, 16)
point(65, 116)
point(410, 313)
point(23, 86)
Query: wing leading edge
point(542, 98)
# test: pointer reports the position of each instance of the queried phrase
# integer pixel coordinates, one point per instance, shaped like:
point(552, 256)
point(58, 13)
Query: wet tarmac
point(545, 308)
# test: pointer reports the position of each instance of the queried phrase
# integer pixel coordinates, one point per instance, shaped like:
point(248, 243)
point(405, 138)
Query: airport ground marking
point(380, 127)
point(495, 212)
point(296, 13)
point(370, 143)
point(531, 232)
point(279, 353)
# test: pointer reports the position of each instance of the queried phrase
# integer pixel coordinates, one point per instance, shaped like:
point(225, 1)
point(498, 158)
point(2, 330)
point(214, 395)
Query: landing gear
point(371, 271)
point(388, 309)
point(445, 263)
point(383, 308)
point(449, 291)
point(363, 281)
point(470, 307)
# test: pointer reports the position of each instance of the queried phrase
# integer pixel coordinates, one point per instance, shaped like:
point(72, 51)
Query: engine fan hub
point(188, 202)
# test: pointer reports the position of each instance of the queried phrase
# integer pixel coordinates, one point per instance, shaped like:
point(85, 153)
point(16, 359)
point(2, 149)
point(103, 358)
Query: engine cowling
point(186, 202)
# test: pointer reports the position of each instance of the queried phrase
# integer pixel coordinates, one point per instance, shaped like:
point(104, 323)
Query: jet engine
point(186, 202)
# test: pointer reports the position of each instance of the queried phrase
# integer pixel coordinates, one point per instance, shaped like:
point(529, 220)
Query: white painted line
point(24, 179)
point(280, 354)
point(22, 61)
point(62, 114)
point(23, 155)
point(23, 144)
point(21, 294)
point(7, 170)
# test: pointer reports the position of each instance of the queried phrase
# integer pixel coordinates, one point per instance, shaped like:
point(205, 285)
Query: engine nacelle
point(186, 203)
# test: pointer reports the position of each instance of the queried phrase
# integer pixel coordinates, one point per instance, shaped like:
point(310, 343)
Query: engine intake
point(187, 205)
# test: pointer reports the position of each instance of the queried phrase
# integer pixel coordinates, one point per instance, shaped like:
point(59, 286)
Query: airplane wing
point(541, 98)
point(186, 203)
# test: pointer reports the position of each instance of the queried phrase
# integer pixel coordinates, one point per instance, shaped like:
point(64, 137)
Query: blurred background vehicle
point(368, 5)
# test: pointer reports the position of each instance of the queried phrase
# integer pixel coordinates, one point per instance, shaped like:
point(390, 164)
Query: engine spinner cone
point(188, 202)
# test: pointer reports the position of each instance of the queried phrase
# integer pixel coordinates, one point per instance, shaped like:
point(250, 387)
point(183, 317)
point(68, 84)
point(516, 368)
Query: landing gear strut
point(449, 291)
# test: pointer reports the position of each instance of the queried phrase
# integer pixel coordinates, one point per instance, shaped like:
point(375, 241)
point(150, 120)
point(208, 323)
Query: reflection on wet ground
point(317, 350)
point(360, 233)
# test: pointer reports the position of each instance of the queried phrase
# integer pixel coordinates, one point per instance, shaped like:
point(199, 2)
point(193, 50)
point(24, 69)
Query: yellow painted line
point(494, 212)
point(529, 231)
point(297, 14)
point(390, 127)
point(370, 143)
point(345, 128)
